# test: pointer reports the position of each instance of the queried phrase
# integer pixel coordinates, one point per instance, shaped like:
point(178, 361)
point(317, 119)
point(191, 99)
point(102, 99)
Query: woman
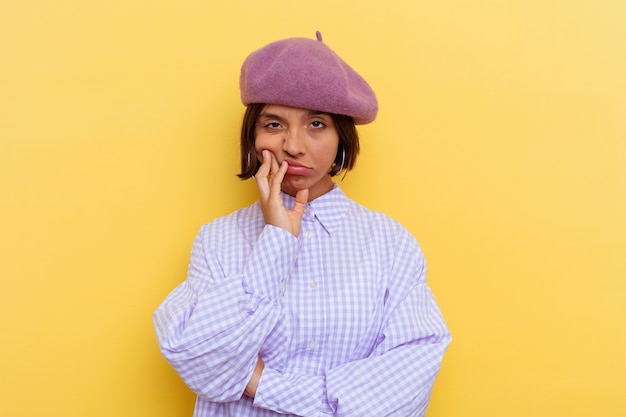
point(304, 303)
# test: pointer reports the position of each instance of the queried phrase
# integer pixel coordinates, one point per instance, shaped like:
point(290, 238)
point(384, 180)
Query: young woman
point(304, 303)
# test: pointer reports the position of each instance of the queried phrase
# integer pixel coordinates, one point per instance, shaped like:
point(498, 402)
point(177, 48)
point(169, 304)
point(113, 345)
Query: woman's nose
point(293, 141)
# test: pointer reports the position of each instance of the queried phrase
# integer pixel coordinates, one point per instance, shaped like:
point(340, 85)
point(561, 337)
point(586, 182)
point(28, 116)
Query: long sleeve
point(212, 326)
point(396, 378)
point(403, 368)
point(341, 315)
point(394, 382)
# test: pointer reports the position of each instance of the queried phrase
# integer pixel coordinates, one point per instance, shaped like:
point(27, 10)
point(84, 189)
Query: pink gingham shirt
point(341, 316)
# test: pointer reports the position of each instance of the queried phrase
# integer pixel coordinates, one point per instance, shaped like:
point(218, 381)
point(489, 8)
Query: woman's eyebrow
point(266, 115)
point(271, 116)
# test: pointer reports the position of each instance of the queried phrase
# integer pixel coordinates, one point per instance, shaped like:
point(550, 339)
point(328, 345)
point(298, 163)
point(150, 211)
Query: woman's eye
point(272, 125)
point(317, 124)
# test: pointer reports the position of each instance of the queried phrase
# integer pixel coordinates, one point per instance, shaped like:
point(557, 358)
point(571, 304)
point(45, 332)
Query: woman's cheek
point(261, 144)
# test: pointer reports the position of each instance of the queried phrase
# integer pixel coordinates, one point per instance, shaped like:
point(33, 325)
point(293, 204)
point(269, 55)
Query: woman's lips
point(296, 168)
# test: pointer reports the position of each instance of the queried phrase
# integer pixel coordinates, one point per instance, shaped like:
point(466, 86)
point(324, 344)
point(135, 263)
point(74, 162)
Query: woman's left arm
point(396, 379)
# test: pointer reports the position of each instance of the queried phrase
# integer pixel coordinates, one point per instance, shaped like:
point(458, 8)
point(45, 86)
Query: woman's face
point(306, 139)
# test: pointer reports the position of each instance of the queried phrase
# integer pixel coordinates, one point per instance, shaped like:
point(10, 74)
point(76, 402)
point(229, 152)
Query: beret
point(305, 73)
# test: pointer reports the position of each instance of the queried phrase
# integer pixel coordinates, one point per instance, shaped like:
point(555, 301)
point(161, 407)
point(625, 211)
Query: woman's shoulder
point(397, 246)
point(245, 222)
point(380, 227)
point(376, 218)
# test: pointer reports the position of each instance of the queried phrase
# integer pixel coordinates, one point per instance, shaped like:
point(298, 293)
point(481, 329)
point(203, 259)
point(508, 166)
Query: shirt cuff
point(302, 395)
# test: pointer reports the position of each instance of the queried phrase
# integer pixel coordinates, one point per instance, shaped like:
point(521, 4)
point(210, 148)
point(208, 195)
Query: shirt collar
point(329, 209)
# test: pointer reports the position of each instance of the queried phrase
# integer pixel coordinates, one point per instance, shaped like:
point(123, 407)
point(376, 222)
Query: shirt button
point(313, 284)
point(308, 235)
point(312, 344)
point(282, 285)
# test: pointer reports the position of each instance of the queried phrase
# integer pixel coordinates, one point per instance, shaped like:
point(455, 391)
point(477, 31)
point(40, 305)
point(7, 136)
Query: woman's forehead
point(288, 111)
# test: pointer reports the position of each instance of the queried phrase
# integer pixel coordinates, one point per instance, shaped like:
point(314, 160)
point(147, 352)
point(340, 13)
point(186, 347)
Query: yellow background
point(500, 143)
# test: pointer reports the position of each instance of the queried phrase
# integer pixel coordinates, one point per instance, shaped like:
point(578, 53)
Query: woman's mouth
point(296, 168)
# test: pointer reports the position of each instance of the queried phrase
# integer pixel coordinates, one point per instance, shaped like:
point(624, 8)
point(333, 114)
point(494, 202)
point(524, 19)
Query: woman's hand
point(250, 390)
point(269, 179)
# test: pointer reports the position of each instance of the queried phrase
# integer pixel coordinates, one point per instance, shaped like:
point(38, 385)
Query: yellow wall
point(501, 144)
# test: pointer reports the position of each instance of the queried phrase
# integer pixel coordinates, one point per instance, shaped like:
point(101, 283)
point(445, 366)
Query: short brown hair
point(347, 150)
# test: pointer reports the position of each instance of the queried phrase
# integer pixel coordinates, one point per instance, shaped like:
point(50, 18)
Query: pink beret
point(305, 73)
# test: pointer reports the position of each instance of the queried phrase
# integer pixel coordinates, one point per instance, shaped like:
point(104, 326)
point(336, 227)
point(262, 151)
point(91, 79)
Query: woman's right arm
point(212, 327)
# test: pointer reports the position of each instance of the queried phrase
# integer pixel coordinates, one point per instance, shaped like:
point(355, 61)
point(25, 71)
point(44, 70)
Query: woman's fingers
point(273, 162)
point(262, 175)
point(265, 163)
point(302, 197)
point(277, 177)
point(269, 179)
point(270, 175)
